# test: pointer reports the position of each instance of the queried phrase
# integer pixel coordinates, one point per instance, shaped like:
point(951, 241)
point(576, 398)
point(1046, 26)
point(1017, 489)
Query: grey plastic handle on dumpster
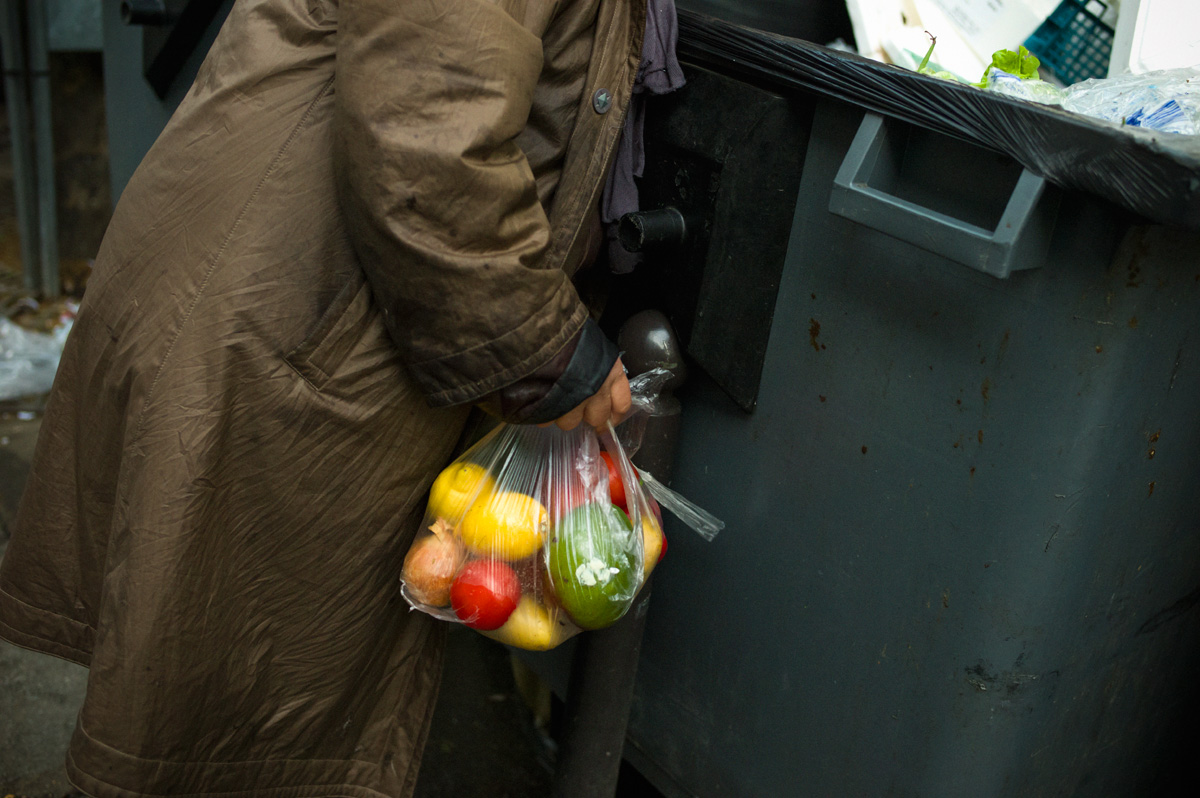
point(1020, 238)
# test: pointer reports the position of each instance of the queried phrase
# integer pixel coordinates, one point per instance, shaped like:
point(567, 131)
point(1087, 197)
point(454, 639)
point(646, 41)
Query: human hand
point(610, 403)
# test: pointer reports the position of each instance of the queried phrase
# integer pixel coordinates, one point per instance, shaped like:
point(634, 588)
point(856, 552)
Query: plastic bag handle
point(645, 390)
point(705, 524)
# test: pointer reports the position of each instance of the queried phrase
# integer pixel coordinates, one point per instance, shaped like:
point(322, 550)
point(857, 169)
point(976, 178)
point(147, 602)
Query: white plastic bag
point(28, 360)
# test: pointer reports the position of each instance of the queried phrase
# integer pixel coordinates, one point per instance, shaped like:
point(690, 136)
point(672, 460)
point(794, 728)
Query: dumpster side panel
point(961, 554)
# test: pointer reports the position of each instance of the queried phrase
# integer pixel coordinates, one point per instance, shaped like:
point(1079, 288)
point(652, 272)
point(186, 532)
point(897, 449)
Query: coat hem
point(305, 775)
point(17, 619)
point(97, 788)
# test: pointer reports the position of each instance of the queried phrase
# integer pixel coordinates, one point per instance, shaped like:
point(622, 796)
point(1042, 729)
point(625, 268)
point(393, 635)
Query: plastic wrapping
point(1155, 175)
point(701, 521)
point(1168, 101)
point(528, 539)
point(28, 360)
point(1037, 91)
point(535, 534)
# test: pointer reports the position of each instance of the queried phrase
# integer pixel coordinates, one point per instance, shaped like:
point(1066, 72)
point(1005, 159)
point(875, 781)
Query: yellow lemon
point(505, 524)
point(456, 487)
point(531, 627)
point(652, 543)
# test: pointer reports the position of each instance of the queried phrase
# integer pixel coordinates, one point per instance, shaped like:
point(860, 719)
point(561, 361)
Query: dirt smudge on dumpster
point(1135, 273)
point(984, 679)
point(985, 389)
point(814, 330)
point(1003, 347)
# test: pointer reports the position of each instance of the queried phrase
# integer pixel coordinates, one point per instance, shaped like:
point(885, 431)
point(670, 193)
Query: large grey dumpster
point(962, 553)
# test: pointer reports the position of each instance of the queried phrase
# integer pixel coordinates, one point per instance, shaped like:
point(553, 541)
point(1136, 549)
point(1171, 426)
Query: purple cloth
point(658, 73)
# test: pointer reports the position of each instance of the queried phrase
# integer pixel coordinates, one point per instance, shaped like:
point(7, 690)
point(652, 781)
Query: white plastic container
point(1155, 34)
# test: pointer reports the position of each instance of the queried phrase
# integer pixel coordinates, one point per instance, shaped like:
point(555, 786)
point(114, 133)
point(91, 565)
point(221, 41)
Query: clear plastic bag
point(1039, 91)
point(535, 534)
point(1167, 100)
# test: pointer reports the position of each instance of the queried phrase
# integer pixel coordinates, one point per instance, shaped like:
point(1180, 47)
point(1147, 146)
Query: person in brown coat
point(362, 220)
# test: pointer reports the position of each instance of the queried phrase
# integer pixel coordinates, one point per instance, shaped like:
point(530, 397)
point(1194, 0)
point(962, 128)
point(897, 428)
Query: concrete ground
point(39, 695)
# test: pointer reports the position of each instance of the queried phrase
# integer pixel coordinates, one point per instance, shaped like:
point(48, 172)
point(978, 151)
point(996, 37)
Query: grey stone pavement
point(483, 744)
point(39, 695)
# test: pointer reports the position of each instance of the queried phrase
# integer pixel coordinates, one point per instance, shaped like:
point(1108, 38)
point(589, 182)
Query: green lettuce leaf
point(1022, 63)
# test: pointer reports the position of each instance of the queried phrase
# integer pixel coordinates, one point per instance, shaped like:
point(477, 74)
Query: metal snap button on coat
point(602, 101)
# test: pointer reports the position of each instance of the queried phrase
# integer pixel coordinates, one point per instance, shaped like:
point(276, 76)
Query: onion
point(430, 566)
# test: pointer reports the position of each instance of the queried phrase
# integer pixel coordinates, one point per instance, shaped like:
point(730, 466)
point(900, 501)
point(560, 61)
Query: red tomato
point(616, 488)
point(485, 593)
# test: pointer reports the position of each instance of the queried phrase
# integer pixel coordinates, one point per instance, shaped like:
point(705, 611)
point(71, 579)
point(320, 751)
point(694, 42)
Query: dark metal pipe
point(43, 130)
point(145, 12)
point(643, 230)
point(604, 668)
point(17, 96)
point(599, 696)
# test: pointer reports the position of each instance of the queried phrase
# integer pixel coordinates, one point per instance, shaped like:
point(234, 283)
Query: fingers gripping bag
point(533, 535)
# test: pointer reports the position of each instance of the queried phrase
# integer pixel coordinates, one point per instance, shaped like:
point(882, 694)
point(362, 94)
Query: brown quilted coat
point(362, 218)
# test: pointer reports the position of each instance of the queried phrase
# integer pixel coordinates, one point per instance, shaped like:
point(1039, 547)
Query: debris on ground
point(32, 334)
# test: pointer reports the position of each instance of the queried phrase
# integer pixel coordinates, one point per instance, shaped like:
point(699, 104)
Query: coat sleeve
point(440, 201)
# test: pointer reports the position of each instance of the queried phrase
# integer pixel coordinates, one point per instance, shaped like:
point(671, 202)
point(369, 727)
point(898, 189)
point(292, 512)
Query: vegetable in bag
point(535, 534)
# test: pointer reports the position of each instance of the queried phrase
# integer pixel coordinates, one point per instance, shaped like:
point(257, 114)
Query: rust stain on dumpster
point(814, 330)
